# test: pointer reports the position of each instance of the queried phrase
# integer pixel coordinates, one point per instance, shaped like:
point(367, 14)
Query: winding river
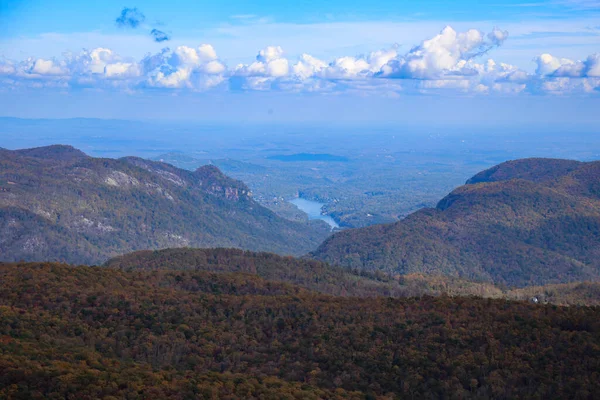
point(313, 210)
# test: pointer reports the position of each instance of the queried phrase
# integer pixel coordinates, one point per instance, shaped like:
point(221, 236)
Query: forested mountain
point(56, 203)
point(338, 281)
point(309, 274)
point(97, 332)
point(524, 222)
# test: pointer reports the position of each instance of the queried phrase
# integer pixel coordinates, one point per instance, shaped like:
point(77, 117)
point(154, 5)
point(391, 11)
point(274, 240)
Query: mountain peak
point(87, 210)
point(55, 152)
point(211, 174)
point(209, 170)
point(530, 169)
point(524, 222)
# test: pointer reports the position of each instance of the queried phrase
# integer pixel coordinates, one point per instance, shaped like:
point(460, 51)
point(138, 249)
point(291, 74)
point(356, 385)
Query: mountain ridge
point(332, 280)
point(507, 225)
point(97, 208)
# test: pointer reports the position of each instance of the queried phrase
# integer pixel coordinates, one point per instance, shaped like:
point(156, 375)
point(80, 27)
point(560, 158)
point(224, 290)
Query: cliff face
point(59, 204)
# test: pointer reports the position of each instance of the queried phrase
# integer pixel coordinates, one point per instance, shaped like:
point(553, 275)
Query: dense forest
point(521, 223)
point(338, 281)
point(98, 332)
point(57, 204)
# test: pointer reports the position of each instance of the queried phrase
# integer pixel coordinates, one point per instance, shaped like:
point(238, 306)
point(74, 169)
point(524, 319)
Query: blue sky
point(71, 51)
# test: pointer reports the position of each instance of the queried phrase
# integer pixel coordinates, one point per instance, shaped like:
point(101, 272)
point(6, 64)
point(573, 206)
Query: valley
point(492, 293)
point(369, 175)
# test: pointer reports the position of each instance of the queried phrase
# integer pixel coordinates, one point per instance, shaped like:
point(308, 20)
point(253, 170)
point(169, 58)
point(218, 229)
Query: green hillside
point(528, 222)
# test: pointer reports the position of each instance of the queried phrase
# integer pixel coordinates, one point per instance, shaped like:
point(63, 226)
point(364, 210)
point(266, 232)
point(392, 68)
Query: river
point(313, 210)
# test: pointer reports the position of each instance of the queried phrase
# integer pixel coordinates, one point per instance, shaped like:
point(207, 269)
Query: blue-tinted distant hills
point(306, 157)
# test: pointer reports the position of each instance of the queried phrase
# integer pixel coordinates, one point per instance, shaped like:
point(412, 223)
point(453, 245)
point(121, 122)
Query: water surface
point(313, 210)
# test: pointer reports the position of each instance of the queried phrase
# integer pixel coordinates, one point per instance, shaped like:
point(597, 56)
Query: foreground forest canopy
point(97, 332)
point(521, 223)
point(58, 204)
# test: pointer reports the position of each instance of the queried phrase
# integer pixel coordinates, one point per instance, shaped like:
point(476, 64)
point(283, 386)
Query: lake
point(313, 210)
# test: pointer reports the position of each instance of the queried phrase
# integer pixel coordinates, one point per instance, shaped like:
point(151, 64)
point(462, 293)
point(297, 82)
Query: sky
point(239, 60)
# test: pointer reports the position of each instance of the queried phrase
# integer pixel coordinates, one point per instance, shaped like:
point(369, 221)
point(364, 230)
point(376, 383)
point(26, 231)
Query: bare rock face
point(120, 179)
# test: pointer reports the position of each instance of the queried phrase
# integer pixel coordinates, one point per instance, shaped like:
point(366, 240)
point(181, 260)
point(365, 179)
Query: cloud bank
point(451, 61)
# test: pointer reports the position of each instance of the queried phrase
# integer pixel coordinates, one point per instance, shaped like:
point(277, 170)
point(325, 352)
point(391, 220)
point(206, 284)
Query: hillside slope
point(309, 274)
point(87, 333)
point(525, 222)
point(338, 281)
point(56, 203)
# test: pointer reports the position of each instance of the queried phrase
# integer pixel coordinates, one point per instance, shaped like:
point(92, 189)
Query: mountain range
point(520, 223)
point(416, 309)
point(57, 203)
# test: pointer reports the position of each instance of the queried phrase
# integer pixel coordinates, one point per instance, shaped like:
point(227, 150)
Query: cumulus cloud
point(47, 67)
point(450, 61)
point(122, 70)
point(270, 63)
point(130, 18)
point(446, 53)
point(185, 67)
point(159, 36)
point(563, 67)
point(548, 64)
point(308, 66)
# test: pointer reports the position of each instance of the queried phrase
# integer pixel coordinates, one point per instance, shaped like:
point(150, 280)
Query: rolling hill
point(56, 203)
point(309, 274)
point(524, 222)
point(339, 281)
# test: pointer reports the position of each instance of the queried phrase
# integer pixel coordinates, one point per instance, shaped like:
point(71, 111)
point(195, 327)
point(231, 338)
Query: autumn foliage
point(93, 332)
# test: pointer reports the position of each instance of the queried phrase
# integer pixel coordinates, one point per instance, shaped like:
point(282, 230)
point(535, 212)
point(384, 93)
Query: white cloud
point(348, 67)
point(446, 52)
point(47, 67)
point(549, 65)
point(269, 63)
point(278, 67)
point(206, 52)
point(176, 79)
point(120, 70)
point(184, 68)
point(270, 53)
point(449, 61)
point(308, 66)
point(214, 67)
